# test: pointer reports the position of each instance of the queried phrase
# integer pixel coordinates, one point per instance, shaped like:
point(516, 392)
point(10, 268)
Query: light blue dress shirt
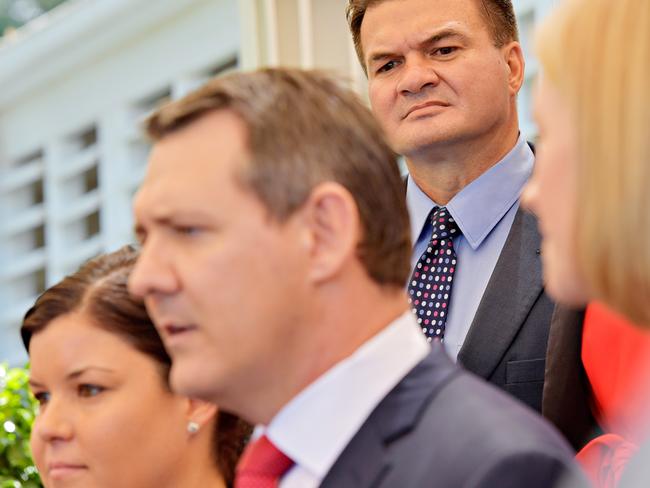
point(484, 211)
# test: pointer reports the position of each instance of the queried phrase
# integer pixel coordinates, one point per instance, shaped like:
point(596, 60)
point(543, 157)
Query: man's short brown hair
point(304, 128)
point(499, 16)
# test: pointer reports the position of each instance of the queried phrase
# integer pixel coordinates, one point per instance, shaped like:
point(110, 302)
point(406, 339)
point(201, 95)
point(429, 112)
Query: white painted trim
point(249, 28)
point(89, 29)
point(270, 18)
point(306, 33)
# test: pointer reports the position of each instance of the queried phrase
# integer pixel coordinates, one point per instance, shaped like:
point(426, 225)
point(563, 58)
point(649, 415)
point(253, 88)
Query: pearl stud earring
point(192, 427)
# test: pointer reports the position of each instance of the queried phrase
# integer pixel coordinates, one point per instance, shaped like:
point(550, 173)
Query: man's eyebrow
point(432, 39)
point(380, 56)
point(140, 230)
point(442, 35)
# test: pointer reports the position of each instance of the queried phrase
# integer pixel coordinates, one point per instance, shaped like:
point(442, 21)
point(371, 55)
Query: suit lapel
point(366, 467)
point(365, 460)
point(514, 286)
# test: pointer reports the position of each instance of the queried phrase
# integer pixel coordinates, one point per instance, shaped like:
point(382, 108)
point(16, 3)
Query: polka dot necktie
point(430, 286)
point(261, 465)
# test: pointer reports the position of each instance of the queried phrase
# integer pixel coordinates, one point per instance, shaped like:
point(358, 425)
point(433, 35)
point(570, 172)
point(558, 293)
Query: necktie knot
point(444, 225)
point(262, 465)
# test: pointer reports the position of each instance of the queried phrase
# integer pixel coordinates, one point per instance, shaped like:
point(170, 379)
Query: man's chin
point(186, 381)
point(423, 141)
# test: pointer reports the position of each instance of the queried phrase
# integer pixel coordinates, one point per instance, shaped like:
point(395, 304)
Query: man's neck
point(336, 334)
point(443, 171)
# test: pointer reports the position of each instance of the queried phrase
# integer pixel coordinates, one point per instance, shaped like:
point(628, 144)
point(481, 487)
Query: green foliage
point(17, 411)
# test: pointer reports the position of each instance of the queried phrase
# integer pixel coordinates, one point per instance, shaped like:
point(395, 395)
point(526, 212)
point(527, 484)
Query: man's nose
point(417, 74)
point(152, 272)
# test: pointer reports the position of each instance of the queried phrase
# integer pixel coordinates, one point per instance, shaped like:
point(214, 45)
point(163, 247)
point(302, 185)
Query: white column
point(54, 205)
point(303, 33)
point(117, 178)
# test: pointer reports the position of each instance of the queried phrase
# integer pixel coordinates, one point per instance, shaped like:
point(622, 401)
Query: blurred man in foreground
point(275, 250)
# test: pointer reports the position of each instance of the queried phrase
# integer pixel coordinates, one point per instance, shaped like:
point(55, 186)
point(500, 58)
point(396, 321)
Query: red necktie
point(262, 465)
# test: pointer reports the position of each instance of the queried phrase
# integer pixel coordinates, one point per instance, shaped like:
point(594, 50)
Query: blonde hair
point(597, 54)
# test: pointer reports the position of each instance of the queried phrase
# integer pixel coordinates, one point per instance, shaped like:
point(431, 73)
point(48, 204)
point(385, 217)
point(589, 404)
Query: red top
point(616, 357)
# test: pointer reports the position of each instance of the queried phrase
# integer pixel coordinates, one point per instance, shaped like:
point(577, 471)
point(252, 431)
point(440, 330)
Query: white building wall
point(75, 84)
point(72, 93)
point(529, 13)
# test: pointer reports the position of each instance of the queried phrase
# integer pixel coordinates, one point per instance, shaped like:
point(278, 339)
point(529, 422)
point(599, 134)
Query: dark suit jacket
point(507, 340)
point(443, 427)
point(523, 343)
point(506, 343)
point(567, 394)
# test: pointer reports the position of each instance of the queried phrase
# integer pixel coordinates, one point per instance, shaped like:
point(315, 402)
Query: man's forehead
point(207, 141)
point(165, 192)
point(383, 19)
point(204, 154)
point(163, 174)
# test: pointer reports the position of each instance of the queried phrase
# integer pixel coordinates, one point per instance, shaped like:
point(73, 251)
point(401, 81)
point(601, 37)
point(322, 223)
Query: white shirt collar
point(317, 424)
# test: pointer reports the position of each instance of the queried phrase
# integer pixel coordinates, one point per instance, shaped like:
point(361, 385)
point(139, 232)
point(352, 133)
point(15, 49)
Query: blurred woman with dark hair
point(100, 374)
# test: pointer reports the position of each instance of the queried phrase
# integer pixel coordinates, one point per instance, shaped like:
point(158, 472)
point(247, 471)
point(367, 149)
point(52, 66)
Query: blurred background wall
point(75, 83)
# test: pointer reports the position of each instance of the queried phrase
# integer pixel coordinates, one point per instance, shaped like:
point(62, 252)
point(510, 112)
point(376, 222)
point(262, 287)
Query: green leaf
point(18, 407)
point(11, 484)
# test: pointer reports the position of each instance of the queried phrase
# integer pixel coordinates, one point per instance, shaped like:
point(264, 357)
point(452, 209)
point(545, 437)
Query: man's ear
point(514, 59)
point(200, 412)
point(333, 227)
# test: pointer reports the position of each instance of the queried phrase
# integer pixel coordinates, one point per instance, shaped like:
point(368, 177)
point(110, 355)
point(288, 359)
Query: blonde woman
point(591, 192)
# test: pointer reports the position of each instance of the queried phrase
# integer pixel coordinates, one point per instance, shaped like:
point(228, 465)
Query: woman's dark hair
point(99, 289)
